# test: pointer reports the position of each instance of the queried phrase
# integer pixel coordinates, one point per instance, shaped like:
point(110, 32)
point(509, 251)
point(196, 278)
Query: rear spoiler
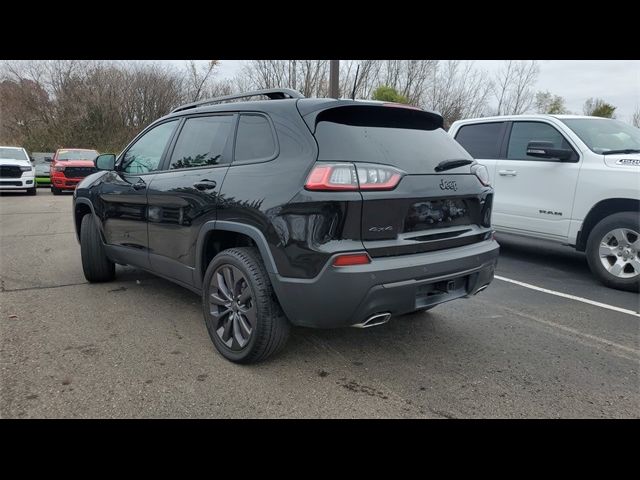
point(374, 114)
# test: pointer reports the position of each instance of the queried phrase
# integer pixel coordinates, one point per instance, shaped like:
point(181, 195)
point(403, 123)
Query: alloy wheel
point(232, 307)
point(619, 252)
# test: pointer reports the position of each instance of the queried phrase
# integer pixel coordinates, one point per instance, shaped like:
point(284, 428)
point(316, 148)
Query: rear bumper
point(347, 296)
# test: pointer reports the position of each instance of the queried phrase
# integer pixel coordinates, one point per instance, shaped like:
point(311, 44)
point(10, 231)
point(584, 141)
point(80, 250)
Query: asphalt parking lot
point(138, 347)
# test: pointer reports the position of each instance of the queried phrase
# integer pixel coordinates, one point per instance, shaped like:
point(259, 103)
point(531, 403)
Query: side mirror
point(47, 159)
point(541, 149)
point(106, 161)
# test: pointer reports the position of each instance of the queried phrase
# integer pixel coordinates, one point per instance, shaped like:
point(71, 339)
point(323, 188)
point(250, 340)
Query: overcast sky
point(615, 81)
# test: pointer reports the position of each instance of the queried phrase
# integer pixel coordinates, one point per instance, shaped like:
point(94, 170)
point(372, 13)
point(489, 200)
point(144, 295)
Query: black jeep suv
point(306, 211)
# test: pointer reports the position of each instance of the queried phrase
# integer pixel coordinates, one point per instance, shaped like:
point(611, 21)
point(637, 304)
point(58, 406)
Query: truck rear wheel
point(613, 251)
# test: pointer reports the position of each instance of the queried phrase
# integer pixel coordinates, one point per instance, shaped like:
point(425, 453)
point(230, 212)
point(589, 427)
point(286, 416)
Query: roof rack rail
point(272, 93)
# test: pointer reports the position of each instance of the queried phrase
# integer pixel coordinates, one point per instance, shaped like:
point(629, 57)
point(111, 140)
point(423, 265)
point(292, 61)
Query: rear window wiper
point(624, 150)
point(449, 164)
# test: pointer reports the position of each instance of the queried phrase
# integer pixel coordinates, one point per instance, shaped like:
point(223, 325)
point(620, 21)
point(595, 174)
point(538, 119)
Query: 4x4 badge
point(448, 185)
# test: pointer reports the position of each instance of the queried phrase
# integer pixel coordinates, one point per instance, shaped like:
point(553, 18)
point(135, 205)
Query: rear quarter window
point(482, 140)
point(255, 139)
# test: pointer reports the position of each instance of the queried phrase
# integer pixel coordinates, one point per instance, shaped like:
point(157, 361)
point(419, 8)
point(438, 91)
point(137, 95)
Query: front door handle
point(508, 173)
point(205, 184)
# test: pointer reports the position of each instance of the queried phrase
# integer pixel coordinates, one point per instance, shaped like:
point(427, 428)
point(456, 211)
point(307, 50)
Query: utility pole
point(334, 78)
point(292, 75)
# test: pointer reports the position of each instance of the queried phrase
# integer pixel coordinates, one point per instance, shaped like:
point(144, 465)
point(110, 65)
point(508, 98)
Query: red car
point(69, 166)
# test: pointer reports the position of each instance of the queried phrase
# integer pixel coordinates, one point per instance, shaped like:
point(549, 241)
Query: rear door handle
point(508, 173)
point(205, 184)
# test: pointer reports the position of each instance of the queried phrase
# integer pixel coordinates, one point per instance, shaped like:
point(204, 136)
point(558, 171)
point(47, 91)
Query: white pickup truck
point(16, 170)
point(566, 178)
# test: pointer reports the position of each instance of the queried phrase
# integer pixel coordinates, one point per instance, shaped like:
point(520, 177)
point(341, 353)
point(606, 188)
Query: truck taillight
point(347, 176)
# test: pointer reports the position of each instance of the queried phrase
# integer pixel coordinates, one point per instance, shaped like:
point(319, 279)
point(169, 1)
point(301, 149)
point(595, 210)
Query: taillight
point(481, 172)
point(348, 259)
point(378, 177)
point(346, 176)
point(334, 176)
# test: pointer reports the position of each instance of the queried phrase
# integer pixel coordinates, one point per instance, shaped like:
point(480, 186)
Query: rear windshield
point(77, 155)
point(406, 139)
point(13, 153)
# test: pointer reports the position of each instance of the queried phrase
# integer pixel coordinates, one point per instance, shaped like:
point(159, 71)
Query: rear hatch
point(426, 210)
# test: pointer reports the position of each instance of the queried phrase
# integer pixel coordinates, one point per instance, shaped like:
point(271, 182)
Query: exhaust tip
point(374, 320)
point(481, 289)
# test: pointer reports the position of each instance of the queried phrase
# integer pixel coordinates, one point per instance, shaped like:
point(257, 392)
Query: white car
point(571, 179)
point(16, 170)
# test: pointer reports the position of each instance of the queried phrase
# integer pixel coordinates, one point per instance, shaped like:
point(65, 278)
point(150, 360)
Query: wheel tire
point(270, 330)
point(55, 191)
point(623, 220)
point(95, 264)
point(33, 191)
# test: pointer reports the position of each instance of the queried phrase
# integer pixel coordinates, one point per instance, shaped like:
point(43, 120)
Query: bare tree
point(242, 83)
point(198, 77)
point(408, 77)
point(314, 78)
point(635, 118)
point(219, 88)
point(310, 77)
point(368, 77)
point(261, 74)
point(457, 90)
point(513, 87)
point(51, 104)
point(103, 104)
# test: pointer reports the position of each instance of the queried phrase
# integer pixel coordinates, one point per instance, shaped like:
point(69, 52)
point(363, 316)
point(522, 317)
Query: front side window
point(255, 140)
point(202, 142)
point(144, 156)
point(482, 140)
point(524, 132)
